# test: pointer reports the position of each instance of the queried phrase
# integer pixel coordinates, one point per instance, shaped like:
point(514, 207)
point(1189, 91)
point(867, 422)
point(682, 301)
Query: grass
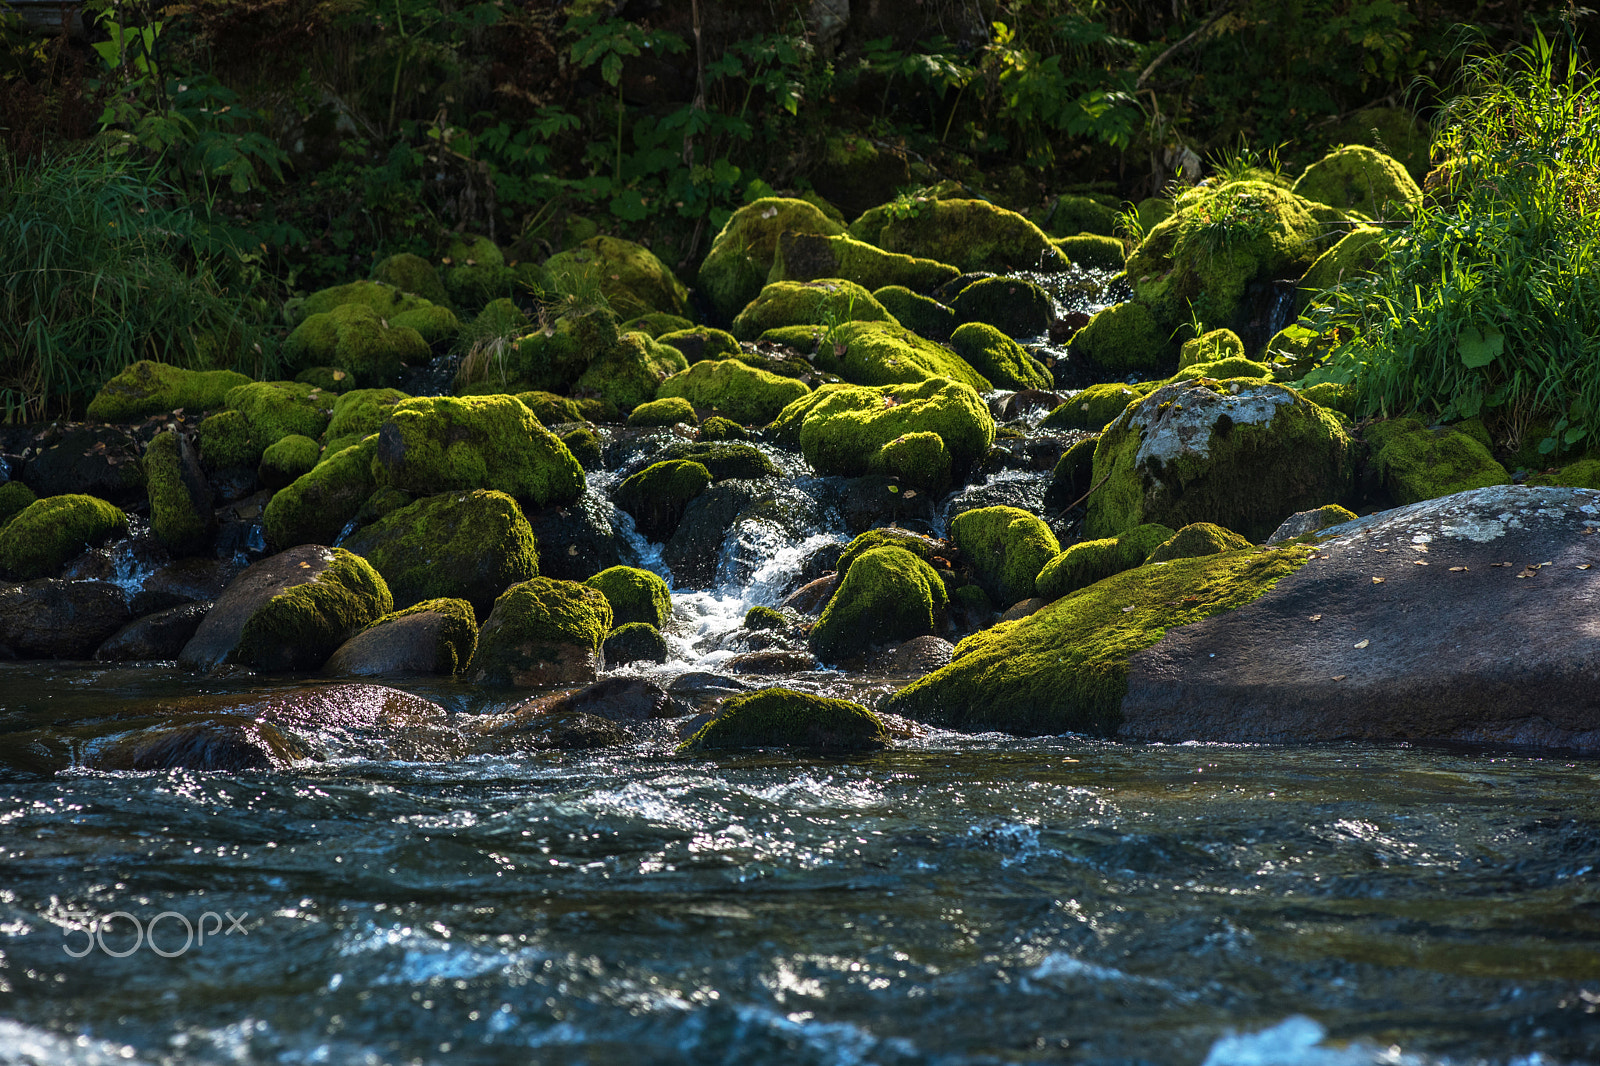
point(98, 269)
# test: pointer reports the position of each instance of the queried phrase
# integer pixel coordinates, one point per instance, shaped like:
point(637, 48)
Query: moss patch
point(880, 353)
point(724, 460)
point(887, 595)
point(784, 718)
point(287, 459)
point(634, 642)
point(302, 626)
point(809, 256)
point(47, 533)
point(318, 505)
point(1200, 538)
point(1418, 463)
point(717, 428)
point(741, 256)
point(997, 357)
point(1211, 347)
point(277, 409)
point(356, 338)
point(632, 278)
point(968, 234)
point(630, 372)
point(1006, 548)
point(1352, 258)
point(840, 427)
point(1121, 338)
point(1092, 251)
point(1236, 367)
point(411, 273)
point(668, 411)
point(14, 499)
point(1015, 307)
point(701, 343)
point(358, 414)
point(657, 495)
point(919, 460)
point(635, 595)
point(807, 303)
point(1096, 406)
point(922, 547)
point(180, 502)
point(1086, 562)
point(550, 409)
point(923, 315)
point(149, 388)
point(734, 390)
point(1358, 178)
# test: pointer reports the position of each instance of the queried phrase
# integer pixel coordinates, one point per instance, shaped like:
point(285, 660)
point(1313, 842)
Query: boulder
point(1211, 347)
point(542, 632)
point(919, 655)
point(925, 548)
point(856, 172)
point(380, 296)
point(1201, 538)
point(1306, 523)
point(55, 619)
point(784, 718)
point(1092, 251)
point(734, 390)
point(289, 612)
point(635, 595)
point(550, 409)
point(580, 538)
point(1244, 454)
point(812, 597)
point(100, 461)
point(434, 637)
point(14, 499)
point(358, 414)
point(923, 315)
point(355, 338)
point(1005, 547)
point(284, 463)
point(825, 301)
point(1070, 480)
point(1122, 338)
point(635, 642)
point(148, 388)
point(475, 272)
point(317, 507)
point(888, 595)
point(770, 662)
point(882, 353)
point(967, 234)
point(736, 267)
point(1236, 367)
point(696, 543)
point(629, 372)
point(273, 410)
point(411, 273)
point(442, 443)
point(701, 343)
point(1358, 178)
point(47, 533)
point(462, 545)
point(1088, 561)
point(1001, 360)
point(658, 325)
point(1351, 259)
point(919, 461)
point(632, 279)
point(722, 459)
point(665, 412)
point(1070, 214)
point(1096, 407)
point(157, 637)
point(1015, 307)
point(1420, 463)
point(840, 427)
point(180, 498)
point(657, 495)
point(881, 500)
point(809, 256)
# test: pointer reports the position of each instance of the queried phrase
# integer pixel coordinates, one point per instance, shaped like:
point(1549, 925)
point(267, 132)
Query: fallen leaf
point(1377, 581)
point(1583, 566)
point(1457, 569)
point(1523, 575)
point(572, 549)
point(1381, 551)
point(1419, 562)
point(1340, 677)
point(1499, 564)
point(305, 566)
point(1128, 608)
point(1314, 618)
point(1364, 642)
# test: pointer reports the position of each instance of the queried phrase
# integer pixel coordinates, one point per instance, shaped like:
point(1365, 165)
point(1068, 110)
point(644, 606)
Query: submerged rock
point(784, 718)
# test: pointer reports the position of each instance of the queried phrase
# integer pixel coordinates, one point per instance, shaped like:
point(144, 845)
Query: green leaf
point(1479, 349)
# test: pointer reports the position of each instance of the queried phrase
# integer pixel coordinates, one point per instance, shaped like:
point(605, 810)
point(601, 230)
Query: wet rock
point(819, 562)
point(180, 497)
point(919, 655)
point(577, 539)
point(1040, 450)
point(657, 496)
point(784, 718)
point(887, 595)
point(1027, 402)
point(209, 747)
point(1022, 609)
point(542, 632)
point(49, 532)
point(700, 687)
point(55, 619)
point(736, 267)
point(635, 642)
point(157, 637)
point(1006, 548)
point(434, 637)
point(771, 662)
point(813, 596)
point(615, 699)
point(696, 544)
point(100, 461)
point(880, 500)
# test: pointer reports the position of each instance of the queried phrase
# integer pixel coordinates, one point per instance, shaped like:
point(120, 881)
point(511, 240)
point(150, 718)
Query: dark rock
point(210, 747)
point(196, 579)
point(1027, 402)
point(157, 637)
point(577, 540)
point(55, 619)
point(635, 642)
point(692, 552)
point(422, 641)
point(919, 655)
point(542, 632)
point(1015, 307)
point(1022, 609)
point(615, 699)
point(95, 460)
point(877, 500)
point(563, 731)
point(813, 596)
point(700, 688)
point(772, 661)
point(821, 561)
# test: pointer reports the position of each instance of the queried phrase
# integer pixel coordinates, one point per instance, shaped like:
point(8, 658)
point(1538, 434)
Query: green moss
point(302, 626)
point(877, 353)
point(1360, 179)
point(277, 409)
point(784, 718)
point(458, 631)
point(536, 625)
point(1333, 396)
point(1394, 130)
point(1015, 307)
point(970, 235)
point(919, 460)
point(386, 300)
point(1006, 547)
point(1582, 474)
point(1086, 562)
point(1211, 347)
point(1069, 214)
point(997, 357)
point(226, 441)
point(633, 280)
point(734, 390)
point(476, 273)
point(973, 599)
point(807, 303)
point(809, 256)
point(840, 427)
point(1092, 251)
point(1221, 369)
point(287, 459)
point(657, 324)
point(668, 411)
point(1418, 463)
point(548, 359)
point(413, 274)
point(702, 342)
point(584, 446)
point(1094, 407)
point(180, 503)
point(731, 459)
point(635, 595)
point(630, 372)
point(14, 499)
point(1065, 667)
point(736, 267)
point(1242, 453)
point(550, 409)
point(318, 505)
point(361, 412)
point(438, 326)
point(717, 428)
point(356, 338)
point(1352, 258)
point(330, 379)
point(1197, 539)
point(148, 388)
point(657, 495)
point(635, 642)
point(803, 339)
point(47, 533)
point(759, 618)
point(599, 409)
point(923, 315)
point(886, 596)
point(922, 547)
point(440, 443)
point(1121, 338)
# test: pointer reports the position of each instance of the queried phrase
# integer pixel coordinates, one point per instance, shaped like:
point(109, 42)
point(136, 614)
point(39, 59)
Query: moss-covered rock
point(1197, 539)
point(702, 343)
point(760, 618)
point(923, 315)
point(634, 642)
point(668, 411)
point(149, 388)
point(723, 459)
point(550, 409)
point(631, 371)
point(1088, 561)
point(1068, 214)
point(1242, 453)
point(329, 379)
point(180, 499)
point(439, 443)
point(881, 353)
point(45, 534)
point(657, 495)
point(1070, 480)
point(276, 409)
point(1418, 463)
point(316, 508)
point(1065, 667)
point(967, 234)
point(736, 267)
point(1307, 523)
point(1006, 364)
point(809, 256)
point(1211, 347)
point(454, 545)
point(286, 459)
point(14, 499)
point(1015, 307)
point(857, 171)
point(1092, 252)
point(435, 637)
point(548, 359)
point(734, 390)
point(226, 442)
point(356, 338)
point(657, 324)
point(1358, 178)
point(887, 595)
point(717, 428)
point(1580, 474)
point(784, 718)
point(1236, 367)
point(924, 548)
point(918, 460)
point(584, 446)
point(632, 278)
point(1005, 547)
point(1092, 408)
point(387, 300)
point(807, 303)
point(1121, 338)
point(635, 595)
point(435, 324)
point(542, 632)
point(475, 272)
point(1353, 257)
point(411, 273)
point(840, 427)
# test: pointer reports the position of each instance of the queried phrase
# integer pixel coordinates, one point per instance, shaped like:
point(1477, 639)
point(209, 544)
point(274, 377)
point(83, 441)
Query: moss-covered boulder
point(1070, 213)
point(635, 595)
point(1121, 338)
point(1092, 252)
point(967, 234)
point(356, 338)
point(357, 415)
point(475, 272)
point(1092, 408)
point(717, 428)
point(287, 459)
point(807, 303)
point(45, 534)
point(702, 343)
point(736, 267)
point(784, 718)
point(318, 505)
point(668, 411)
point(1306, 523)
point(549, 359)
point(882, 353)
point(542, 632)
point(923, 315)
point(1197, 539)
point(657, 324)
point(1006, 364)
point(840, 427)
point(630, 372)
point(149, 388)
point(438, 326)
point(1242, 453)
point(1358, 178)
point(1353, 257)
point(1015, 307)
point(180, 499)
point(329, 379)
point(886, 596)
point(411, 273)
point(550, 409)
point(809, 256)
point(14, 499)
point(723, 459)
point(1005, 547)
point(1210, 347)
point(289, 612)
point(277, 409)
point(1417, 463)
point(455, 545)
point(918, 460)
point(585, 447)
point(1236, 367)
point(431, 638)
point(734, 390)
point(635, 642)
point(1088, 561)
point(1070, 480)
point(657, 495)
point(387, 300)
point(439, 443)
point(631, 277)
point(1065, 667)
